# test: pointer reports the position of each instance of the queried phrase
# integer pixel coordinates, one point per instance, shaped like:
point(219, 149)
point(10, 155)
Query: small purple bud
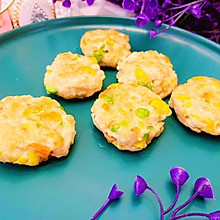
point(137, 6)
point(158, 23)
point(166, 4)
point(129, 5)
point(216, 6)
point(115, 194)
point(66, 3)
point(214, 215)
point(153, 33)
point(209, 16)
point(90, 2)
point(196, 10)
point(179, 176)
point(204, 188)
point(166, 16)
point(140, 185)
point(141, 20)
point(54, 1)
point(152, 4)
point(171, 22)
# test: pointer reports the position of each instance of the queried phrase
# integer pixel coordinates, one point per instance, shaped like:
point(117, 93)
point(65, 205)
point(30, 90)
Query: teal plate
point(75, 187)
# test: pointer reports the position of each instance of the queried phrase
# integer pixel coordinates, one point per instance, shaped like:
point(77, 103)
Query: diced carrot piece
point(42, 150)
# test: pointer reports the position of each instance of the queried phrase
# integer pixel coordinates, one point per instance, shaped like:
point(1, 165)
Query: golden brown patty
point(33, 129)
point(129, 116)
point(197, 104)
point(73, 76)
point(150, 69)
point(107, 46)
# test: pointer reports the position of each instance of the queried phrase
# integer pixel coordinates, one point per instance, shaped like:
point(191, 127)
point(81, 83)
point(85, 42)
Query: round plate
point(75, 187)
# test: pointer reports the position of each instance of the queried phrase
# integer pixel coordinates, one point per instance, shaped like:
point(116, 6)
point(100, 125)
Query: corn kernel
point(200, 86)
point(173, 80)
point(183, 97)
point(122, 111)
point(124, 123)
point(21, 160)
point(110, 42)
point(216, 105)
point(93, 60)
point(216, 84)
point(140, 74)
point(34, 159)
point(198, 78)
point(187, 105)
point(141, 124)
point(160, 106)
point(140, 144)
point(87, 69)
point(52, 116)
point(105, 106)
point(114, 86)
point(196, 116)
point(26, 112)
point(210, 125)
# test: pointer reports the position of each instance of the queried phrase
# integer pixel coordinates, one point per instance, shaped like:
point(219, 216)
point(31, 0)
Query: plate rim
point(78, 20)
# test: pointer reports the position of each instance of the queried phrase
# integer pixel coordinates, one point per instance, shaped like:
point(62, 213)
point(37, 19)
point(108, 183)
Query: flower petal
point(115, 194)
point(140, 185)
point(204, 188)
point(66, 3)
point(153, 33)
point(90, 2)
point(152, 4)
point(129, 5)
point(179, 176)
point(214, 215)
point(141, 20)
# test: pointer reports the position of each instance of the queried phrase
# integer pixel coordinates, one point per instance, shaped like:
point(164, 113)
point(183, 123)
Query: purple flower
point(153, 33)
point(129, 5)
point(211, 216)
point(90, 2)
point(54, 1)
point(157, 23)
point(152, 4)
point(140, 186)
point(166, 3)
point(204, 188)
point(196, 10)
point(214, 215)
point(114, 194)
point(66, 3)
point(179, 176)
point(141, 20)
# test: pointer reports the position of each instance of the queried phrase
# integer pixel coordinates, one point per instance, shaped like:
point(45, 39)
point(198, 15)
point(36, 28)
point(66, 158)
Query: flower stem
point(143, 6)
point(160, 203)
point(175, 15)
point(184, 204)
point(190, 214)
point(180, 15)
point(186, 5)
point(101, 209)
point(175, 200)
